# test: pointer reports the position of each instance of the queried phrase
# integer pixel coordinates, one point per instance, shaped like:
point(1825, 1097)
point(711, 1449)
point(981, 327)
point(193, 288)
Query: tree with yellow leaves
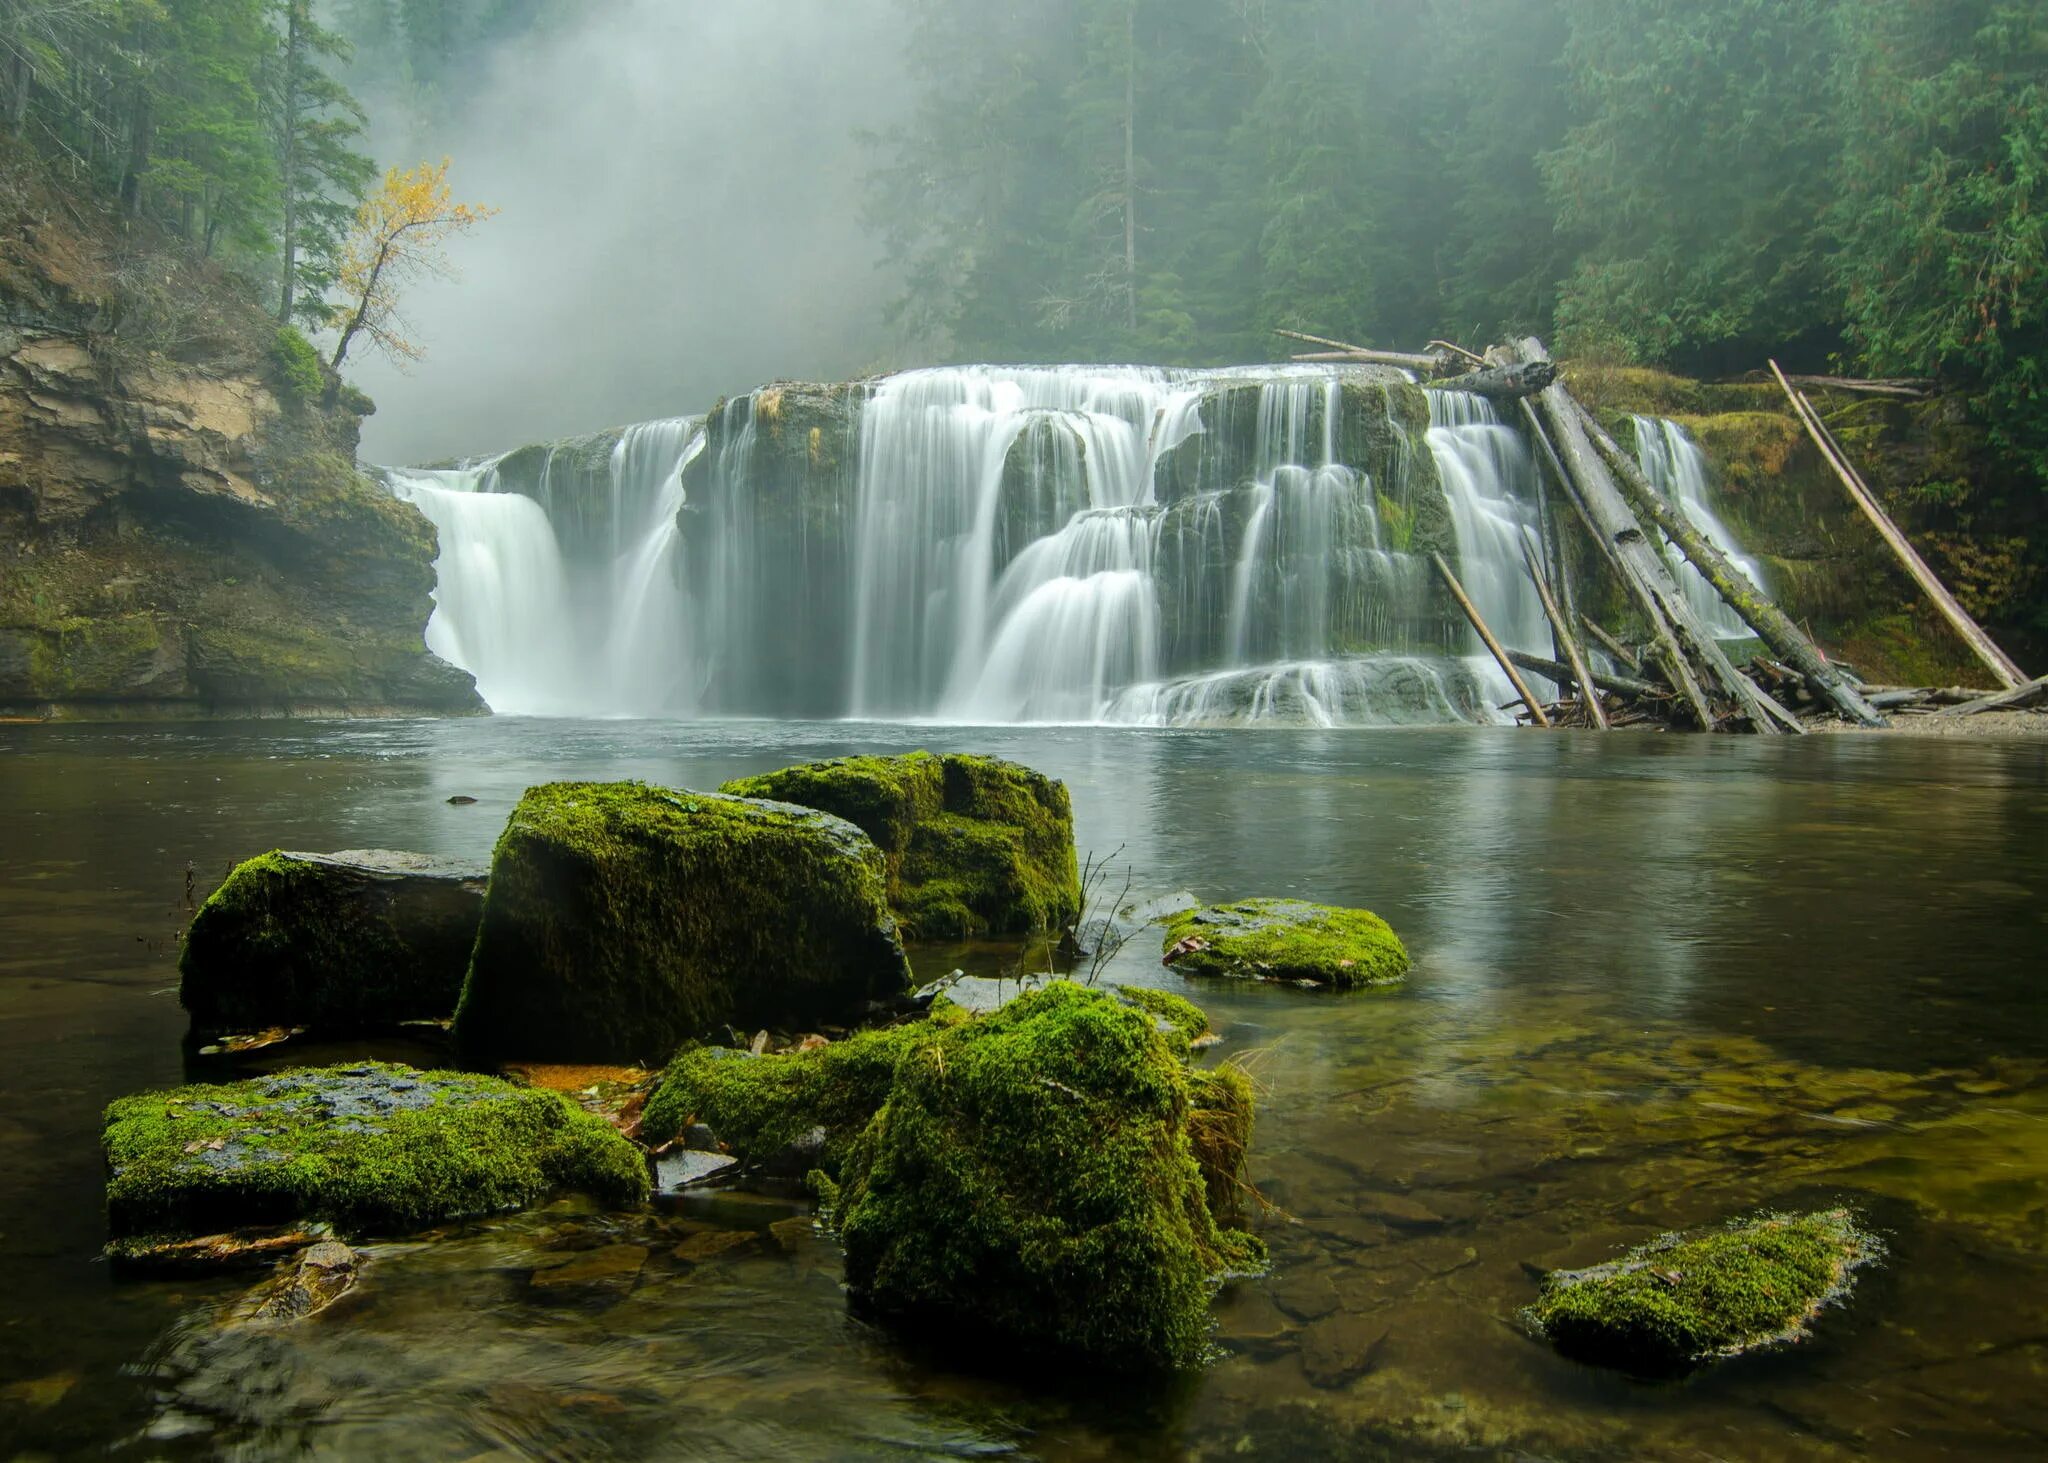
point(397, 237)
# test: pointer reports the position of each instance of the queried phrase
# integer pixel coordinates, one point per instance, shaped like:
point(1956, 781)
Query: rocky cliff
point(182, 527)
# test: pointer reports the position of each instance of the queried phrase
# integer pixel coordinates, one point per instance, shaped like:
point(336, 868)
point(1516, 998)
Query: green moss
point(88, 659)
point(375, 1147)
point(1179, 1015)
point(1220, 1110)
point(1286, 939)
point(623, 920)
point(298, 365)
point(338, 945)
point(972, 845)
point(1679, 1302)
point(760, 1106)
point(1032, 1175)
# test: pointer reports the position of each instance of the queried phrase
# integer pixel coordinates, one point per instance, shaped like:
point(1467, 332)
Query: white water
point(1051, 544)
point(1677, 468)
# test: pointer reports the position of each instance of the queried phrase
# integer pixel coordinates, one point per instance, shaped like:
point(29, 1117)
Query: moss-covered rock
point(1286, 939)
point(340, 942)
point(623, 920)
point(375, 1147)
point(1681, 1301)
point(973, 845)
point(1032, 1176)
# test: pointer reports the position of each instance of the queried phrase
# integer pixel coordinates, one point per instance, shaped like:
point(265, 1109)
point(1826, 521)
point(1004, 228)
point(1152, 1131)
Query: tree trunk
point(1500, 656)
point(1561, 632)
point(288, 156)
point(1131, 167)
point(1510, 382)
point(142, 126)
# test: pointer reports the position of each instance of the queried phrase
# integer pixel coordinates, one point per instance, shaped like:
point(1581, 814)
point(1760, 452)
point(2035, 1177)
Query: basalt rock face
point(182, 528)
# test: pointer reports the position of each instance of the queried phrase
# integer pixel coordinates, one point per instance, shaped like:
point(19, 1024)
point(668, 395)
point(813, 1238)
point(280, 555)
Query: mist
point(679, 191)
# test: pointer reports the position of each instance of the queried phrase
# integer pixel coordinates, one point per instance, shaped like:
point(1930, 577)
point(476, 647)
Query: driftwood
point(1551, 670)
point(2015, 698)
point(1510, 382)
point(1434, 363)
point(1621, 653)
point(1562, 632)
point(1500, 656)
point(1688, 654)
point(1772, 625)
point(1911, 387)
point(1995, 660)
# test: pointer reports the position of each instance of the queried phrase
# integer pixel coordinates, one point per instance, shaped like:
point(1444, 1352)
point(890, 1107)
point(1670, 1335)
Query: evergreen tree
point(314, 125)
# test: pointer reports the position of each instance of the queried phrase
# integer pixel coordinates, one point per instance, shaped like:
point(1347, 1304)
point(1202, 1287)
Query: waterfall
point(984, 544)
point(549, 631)
point(1676, 467)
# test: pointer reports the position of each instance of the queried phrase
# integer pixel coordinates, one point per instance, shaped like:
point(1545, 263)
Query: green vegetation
point(1177, 1014)
point(1032, 1175)
point(336, 945)
point(623, 920)
point(973, 845)
point(299, 364)
point(375, 1147)
point(1286, 939)
point(1679, 1302)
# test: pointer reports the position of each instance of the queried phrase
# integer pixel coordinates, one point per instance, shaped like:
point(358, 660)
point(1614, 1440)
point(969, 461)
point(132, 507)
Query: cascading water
point(1676, 467)
point(985, 544)
point(549, 633)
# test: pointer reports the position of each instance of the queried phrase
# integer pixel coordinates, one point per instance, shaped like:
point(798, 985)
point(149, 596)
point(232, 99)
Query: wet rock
point(339, 942)
point(303, 1287)
point(1031, 1178)
point(145, 1254)
point(675, 1172)
point(623, 920)
point(712, 1243)
point(699, 1138)
point(374, 1147)
point(1286, 940)
point(1341, 1348)
point(1682, 1301)
point(1247, 1316)
point(1305, 1291)
point(1400, 1211)
point(973, 845)
point(611, 1265)
point(795, 1234)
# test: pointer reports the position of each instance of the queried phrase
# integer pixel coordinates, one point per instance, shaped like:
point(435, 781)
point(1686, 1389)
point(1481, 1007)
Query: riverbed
point(1657, 981)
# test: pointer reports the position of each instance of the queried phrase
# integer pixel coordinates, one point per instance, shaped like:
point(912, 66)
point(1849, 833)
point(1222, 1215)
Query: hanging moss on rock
point(1682, 1301)
point(373, 1147)
point(339, 942)
point(623, 920)
point(973, 845)
point(1032, 1175)
point(1286, 939)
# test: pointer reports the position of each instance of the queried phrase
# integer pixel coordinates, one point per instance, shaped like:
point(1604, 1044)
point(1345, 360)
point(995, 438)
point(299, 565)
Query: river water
point(1657, 981)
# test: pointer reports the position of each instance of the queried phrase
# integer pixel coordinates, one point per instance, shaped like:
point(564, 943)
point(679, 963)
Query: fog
point(679, 188)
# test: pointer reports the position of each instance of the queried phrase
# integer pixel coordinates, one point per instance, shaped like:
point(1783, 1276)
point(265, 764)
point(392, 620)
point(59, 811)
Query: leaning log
point(1552, 670)
point(2017, 698)
point(1510, 382)
point(1688, 655)
point(1562, 632)
point(1500, 656)
point(1997, 661)
point(1772, 625)
point(1431, 364)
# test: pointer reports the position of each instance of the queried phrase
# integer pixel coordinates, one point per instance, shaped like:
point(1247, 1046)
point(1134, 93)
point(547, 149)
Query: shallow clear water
point(1657, 980)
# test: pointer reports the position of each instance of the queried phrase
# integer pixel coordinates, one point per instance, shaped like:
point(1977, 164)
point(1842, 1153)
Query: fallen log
point(1563, 633)
point(1510, 382)
point(1432, 363)
point(2015, 698)
point(1911, 387)
point(1500, 656)
point(1772, 625)
point(1689, 657)
point(1552, 670)
point(1995, 660)
point(1621, 653)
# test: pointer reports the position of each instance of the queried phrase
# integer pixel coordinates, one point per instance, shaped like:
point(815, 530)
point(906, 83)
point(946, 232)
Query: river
point(1657, 981)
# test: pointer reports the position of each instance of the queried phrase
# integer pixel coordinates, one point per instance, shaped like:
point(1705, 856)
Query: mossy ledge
point(973, 845)
point(1682, 1301)
point(340, 942)
point(374, 1147)
point(1286, 939)
point(623, 920)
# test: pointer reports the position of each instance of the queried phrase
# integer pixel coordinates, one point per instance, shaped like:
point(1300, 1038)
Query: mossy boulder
point(623, 920)
point(339, 942)
point(972, 845)
point(374, 1147)
point(1032, 1177)
point(1286, 939)
point(1682, 1301)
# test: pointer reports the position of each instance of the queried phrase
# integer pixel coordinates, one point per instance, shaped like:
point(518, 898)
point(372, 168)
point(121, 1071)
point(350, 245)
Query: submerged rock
point(337, 941)
point(973, 845)
point(1032, 1175)
point(1682, 1301)
point(1286, 939)
point(303, 1287)
point(373, 1147)
point(623, 920)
